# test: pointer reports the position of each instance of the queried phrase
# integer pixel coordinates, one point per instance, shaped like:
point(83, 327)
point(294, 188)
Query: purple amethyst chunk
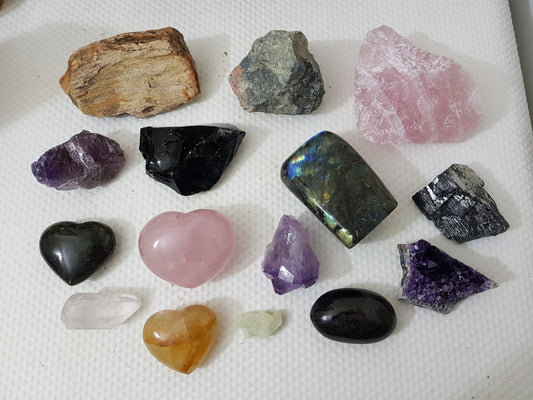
point(85, 160)
point(290, 262)
point(432, 279)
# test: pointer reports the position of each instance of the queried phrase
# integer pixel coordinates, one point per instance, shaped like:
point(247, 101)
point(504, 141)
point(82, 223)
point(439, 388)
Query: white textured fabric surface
point(482, 350)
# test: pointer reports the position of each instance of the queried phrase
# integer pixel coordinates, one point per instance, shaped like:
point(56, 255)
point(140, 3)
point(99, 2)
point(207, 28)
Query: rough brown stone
point(137, 73)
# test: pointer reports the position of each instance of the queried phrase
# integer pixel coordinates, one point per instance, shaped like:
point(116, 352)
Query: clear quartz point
point(98, 310)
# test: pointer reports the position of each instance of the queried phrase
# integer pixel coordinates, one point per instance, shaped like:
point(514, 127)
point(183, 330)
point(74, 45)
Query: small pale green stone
point(261, 324)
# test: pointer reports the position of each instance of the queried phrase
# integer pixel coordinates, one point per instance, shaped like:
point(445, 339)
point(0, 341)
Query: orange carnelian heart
point(181, 339)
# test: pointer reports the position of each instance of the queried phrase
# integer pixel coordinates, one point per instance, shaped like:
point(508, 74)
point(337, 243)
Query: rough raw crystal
point(137, 73)
point(353, 316)
point(407, 95)
point(338, 186)
point(85, 160)
point(189, 159)
point(278, 76)
point(181, 339)
point(290, 262)
point(433, 279)
point(260, 324)
point(459, 206)
point(74, 251)
point(187, 249)
point(98, 310)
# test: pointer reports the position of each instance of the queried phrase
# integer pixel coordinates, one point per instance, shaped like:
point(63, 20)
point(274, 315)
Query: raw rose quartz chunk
point(407, 95)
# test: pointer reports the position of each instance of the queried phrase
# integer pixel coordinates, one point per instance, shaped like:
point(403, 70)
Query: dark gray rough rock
point(278, 76)
point(459, 205)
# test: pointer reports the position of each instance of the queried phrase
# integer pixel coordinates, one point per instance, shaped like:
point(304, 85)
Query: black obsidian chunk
point(189, 159)
point(459, 206)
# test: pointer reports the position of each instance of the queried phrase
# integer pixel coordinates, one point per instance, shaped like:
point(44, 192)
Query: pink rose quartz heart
point(187, 249)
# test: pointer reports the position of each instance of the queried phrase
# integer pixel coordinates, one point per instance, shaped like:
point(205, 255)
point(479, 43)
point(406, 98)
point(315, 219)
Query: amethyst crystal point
point(289, 260)
point(189, 159)
point(459, 206)
point(432, 279)
point(86, 160)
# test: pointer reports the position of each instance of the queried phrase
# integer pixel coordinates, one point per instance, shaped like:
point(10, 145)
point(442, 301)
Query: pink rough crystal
point(407, 95)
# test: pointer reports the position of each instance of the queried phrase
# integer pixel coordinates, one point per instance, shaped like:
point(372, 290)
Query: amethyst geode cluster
point(432, 279)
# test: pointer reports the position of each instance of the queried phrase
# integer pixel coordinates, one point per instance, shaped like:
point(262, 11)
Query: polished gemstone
point(290, 262)
point(98, 310)
point(85, 160)
point(261, 324)
point(459, 205)
point(181, 339)
point(74, 251)
point(189, 159)
point(433, 279)
point(338, 186)
point(187, 249)
point(353, 316)
point(278, 76)
point(407, 95)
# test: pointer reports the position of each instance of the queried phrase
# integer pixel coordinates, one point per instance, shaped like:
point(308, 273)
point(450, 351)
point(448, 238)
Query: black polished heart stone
point(353, 316)
point(74, 251)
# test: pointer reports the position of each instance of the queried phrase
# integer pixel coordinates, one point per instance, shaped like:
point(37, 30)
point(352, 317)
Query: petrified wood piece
point(138, 73)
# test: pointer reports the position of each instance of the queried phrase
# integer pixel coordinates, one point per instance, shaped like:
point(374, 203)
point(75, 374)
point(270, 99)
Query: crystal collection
point(403, 94)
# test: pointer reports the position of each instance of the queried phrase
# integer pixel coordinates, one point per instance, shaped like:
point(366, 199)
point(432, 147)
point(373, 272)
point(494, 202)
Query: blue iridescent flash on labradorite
point(338, 186)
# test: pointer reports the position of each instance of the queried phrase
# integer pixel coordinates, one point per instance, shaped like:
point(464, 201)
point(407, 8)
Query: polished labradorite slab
point(338, 186)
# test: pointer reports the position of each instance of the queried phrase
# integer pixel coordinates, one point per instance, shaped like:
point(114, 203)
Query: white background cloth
point(481, 350)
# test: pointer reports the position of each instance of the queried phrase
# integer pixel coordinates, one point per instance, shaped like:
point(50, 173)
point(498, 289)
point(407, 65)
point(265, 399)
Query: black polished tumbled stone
point(189, 159)
point(74, 251)
point(353, 316)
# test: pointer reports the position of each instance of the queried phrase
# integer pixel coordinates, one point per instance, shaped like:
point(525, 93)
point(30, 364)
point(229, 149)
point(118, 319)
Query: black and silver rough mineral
point(189, 159)
point(460, 207)
point(278, 76)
